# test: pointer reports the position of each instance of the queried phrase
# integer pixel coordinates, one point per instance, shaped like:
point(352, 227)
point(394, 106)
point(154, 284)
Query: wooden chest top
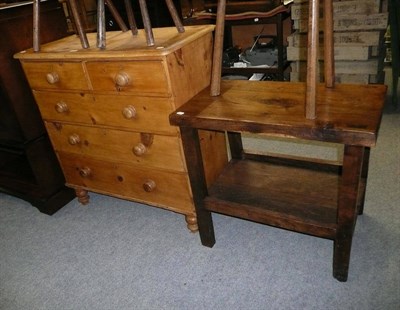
point(120, 45)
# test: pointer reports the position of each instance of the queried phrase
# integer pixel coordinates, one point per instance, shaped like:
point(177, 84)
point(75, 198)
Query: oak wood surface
point(348, 114)
point(269, 193)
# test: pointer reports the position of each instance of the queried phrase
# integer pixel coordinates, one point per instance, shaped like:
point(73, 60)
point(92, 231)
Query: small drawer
point(140, 77)
point(55, 75)
point(133, 113)
point(118, 145)
point(156, 187)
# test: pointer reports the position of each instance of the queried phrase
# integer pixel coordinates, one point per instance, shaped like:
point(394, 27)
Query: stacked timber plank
point(359, 28)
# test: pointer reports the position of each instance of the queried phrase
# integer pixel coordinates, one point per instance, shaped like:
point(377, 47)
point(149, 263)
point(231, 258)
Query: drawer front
point(56, 75)
point(140, 77)
point(130, 112)
point(155, 187)
point(130, 147)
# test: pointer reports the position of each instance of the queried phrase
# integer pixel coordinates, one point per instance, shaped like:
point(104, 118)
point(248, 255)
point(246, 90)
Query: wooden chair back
point(101, 28)
point(312, 52)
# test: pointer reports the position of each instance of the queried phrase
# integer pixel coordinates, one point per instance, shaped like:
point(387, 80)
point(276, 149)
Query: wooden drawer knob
point(149, 186)
point(52, 77)
point(129, 112)
point(74, 139)
point(122, 79)
point(139, 149)
point(61, 107)
point(85, 172)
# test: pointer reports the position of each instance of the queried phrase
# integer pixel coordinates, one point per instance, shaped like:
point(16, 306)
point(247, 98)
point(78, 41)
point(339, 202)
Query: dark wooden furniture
point(28, 166)
point(310, 196)
point(313, 197)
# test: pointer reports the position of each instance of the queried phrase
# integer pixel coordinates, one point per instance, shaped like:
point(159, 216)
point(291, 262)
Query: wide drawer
point(140, 77)
point(166, 189)
point(55, 75)
point(130, 147)
point(131, 112)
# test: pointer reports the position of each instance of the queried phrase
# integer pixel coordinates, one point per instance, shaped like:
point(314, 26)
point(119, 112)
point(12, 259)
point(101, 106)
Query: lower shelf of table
point(286, 194)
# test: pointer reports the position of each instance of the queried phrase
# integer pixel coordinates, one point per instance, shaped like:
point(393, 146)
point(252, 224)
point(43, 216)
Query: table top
point(348, 114)
point(120, 45)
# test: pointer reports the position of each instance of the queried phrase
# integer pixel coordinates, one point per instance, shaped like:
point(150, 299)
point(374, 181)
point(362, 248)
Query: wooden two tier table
point(310, 196)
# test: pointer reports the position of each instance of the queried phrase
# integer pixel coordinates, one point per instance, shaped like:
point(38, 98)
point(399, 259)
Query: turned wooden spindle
point(78, 24)
point(36, 25)
point(175, 16)
point(101, 25)
point(115, 14)
point(146, 23)
point(312, 59)
point(329, 61)
point(218, 48)
point(131, 17)
point(312, 54)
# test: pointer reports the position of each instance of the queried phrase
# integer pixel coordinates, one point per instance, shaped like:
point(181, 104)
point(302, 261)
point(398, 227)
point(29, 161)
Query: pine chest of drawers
point(106, 112)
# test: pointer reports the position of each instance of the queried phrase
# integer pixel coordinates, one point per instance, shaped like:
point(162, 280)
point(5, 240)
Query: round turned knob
point(129, 112)
point(122, 79)
point(74, 139)
point(61, 107)
point(52, 77)
point(149, 186)
point(139, 149)
point(85, 172)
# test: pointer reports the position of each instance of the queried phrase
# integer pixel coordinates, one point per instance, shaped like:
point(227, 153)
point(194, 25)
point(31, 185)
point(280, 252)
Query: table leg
point(235, 145)
point(364, 177)
point(194, 161)
point(347, 210)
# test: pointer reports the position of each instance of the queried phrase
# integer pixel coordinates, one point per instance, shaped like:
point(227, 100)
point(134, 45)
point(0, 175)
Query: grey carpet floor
point(115, 254)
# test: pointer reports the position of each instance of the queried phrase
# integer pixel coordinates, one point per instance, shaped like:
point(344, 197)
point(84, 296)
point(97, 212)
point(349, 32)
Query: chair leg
point(131, 17)
point(115, 14)
point(329, 61)
point(146, 23)
point(175, 16)
point(101, 25)
point(36, 25)
point(312, 59)
point(218, 48)
point(78, 24)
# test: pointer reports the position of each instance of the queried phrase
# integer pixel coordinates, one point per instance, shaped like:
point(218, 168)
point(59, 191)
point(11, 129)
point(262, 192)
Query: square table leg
point(194, 162)
point(347, 209)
